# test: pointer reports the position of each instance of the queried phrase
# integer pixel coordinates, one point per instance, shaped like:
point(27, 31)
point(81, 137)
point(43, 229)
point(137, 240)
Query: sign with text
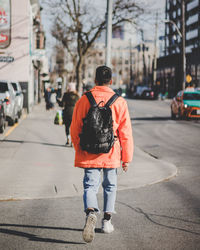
point(7, 59)
point(5, 23)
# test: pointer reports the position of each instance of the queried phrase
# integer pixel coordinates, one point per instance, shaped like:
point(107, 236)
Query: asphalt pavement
point(41, 203)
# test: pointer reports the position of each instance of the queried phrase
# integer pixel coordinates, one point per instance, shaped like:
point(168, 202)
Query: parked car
point(197, 89)
point(186, 105)
point(138, 91)
point(7, 94)
point(2, 117)
point(148, 94)
point(19, 97)
point(144, 92)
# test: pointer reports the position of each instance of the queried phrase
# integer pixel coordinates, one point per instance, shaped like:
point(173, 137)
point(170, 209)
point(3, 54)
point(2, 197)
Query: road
point(165, 215)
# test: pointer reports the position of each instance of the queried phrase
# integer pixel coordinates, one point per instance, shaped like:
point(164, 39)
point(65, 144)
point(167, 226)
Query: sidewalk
point(36, 164)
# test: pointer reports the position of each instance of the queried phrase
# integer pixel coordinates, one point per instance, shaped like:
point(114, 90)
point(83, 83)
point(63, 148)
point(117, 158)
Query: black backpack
point(97, 134)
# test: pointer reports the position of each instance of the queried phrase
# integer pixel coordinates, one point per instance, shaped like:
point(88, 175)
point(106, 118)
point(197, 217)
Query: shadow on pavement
point(34, 142)
point(33, 237)
point(159, 118)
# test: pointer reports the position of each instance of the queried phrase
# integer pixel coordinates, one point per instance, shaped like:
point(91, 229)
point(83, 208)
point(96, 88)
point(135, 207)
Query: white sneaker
point(88, 231)
point(107, 226)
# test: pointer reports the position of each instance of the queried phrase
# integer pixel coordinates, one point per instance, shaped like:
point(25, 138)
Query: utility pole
point(108, 32)
point(131, 62)
point(155, 52)
point(143, 56)
point(183, 45)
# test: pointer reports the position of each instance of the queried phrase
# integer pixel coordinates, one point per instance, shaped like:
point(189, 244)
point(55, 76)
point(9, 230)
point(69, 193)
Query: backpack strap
point(91, 98)
point(112, 100)
point(93, 102)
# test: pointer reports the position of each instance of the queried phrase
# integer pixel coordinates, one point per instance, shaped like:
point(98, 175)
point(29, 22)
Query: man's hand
point(125, 166)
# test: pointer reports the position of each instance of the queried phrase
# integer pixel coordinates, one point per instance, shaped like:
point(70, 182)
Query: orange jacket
point(123, 146)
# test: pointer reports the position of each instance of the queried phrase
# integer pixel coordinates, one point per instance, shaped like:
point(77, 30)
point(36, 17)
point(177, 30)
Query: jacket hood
point(102, 88)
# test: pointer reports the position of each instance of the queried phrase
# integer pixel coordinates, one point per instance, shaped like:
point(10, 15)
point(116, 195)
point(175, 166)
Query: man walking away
point(118, 148)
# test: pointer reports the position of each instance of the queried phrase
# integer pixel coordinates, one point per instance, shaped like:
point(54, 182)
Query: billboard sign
point(5, 23)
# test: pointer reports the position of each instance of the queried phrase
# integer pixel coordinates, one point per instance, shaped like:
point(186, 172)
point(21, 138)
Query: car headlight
point(185, 106)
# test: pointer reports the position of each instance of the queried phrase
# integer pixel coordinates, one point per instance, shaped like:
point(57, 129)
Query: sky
point(148, 24)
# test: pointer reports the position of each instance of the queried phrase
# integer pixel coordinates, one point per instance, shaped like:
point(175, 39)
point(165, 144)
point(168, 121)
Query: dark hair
point(103, 75)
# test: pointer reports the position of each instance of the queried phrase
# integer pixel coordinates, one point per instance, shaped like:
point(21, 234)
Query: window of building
point(167, 29)
point(198, 71)
point(179, 12)
point(168, 5)
point(191, 34)
point(192, 69)
point(192, 5)
point(192, 19)
point(38, 43)
point(178, 49)
point(188, 49)
point(126, 61)
point(174, 14)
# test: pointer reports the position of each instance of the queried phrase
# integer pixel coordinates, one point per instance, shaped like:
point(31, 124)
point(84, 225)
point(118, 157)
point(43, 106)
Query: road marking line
point(13, 127)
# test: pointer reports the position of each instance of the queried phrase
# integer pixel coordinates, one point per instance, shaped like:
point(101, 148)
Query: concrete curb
point(143, 171)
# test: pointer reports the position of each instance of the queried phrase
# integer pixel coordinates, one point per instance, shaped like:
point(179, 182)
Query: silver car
point(7, 94)
point(19, 97)
point(2, 117)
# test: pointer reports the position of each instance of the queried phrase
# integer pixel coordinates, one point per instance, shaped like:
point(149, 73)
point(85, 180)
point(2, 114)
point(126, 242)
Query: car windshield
point(14, 86)
point(191, 96)
point(3, 87)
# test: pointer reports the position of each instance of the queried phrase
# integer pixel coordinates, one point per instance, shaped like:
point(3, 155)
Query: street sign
point(5, 23)
point(188, 78)
point(7, 59)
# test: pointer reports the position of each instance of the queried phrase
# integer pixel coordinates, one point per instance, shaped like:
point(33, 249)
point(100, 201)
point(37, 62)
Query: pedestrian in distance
point(101, 146)
point(53, 97)
point(68, 102)
point(47, 97)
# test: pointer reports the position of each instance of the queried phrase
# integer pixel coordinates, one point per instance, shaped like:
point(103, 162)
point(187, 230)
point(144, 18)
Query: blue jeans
point(91, 183)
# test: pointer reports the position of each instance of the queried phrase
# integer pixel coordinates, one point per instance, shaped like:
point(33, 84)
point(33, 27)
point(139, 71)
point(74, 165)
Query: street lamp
point(172, 22)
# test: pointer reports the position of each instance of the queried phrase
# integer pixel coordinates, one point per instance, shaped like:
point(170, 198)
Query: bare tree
point(77, 25)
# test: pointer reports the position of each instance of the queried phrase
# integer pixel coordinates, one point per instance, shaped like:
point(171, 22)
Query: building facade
point(170, 66)
point(130, 63)
point(19, 56)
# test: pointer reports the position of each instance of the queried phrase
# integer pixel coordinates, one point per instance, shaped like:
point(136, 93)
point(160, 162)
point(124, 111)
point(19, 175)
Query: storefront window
point(5, 23)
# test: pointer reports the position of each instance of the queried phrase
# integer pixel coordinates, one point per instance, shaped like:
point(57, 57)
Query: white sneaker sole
point(89, 229)
point(107, 228)
point(107, 231)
